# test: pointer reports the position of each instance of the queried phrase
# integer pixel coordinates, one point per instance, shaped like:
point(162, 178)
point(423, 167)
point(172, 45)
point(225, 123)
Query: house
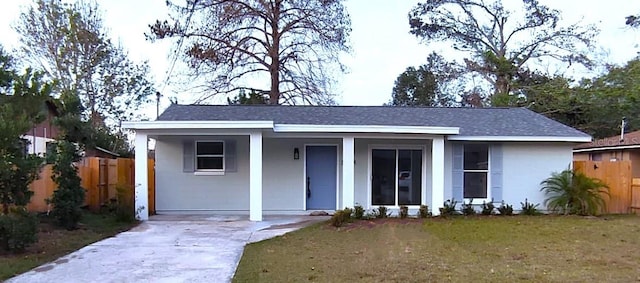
point(616, 148)
point(44, 132)
point(260, 159)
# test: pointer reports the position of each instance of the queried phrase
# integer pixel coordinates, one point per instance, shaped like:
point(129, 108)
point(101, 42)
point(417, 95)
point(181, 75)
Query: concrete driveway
point(167, 249)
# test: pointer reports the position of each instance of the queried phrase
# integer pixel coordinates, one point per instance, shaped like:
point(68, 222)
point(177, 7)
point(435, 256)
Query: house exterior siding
point(178, 191)
point(525, 166)
point(283, 178)
point(528, 164)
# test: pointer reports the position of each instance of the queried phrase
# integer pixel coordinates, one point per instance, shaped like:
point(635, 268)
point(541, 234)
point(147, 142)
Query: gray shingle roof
point(471, 121)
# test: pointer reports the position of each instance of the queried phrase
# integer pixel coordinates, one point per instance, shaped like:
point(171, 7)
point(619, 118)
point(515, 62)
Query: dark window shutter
point(188, 156)
point(230, 156)
point(496, 172)
point(457, 175)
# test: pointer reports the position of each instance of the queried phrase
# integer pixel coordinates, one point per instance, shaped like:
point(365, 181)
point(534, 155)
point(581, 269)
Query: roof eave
point(394, 129)
point(576, 139)
point(175, 125)
point(604, 148)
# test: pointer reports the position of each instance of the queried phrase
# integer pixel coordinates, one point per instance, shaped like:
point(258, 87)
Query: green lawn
point(475, 249)
point(55, 242)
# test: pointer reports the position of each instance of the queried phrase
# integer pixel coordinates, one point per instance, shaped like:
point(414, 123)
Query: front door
point(322, 167)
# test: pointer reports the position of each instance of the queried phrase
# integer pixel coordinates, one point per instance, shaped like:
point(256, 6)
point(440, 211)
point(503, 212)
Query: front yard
point(54, 242)
point(458, 249)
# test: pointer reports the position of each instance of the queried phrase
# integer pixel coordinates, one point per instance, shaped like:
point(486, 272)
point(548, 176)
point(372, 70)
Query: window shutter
point(496, 172)
point(188, 156)
point(230, 156)
point(457, 176)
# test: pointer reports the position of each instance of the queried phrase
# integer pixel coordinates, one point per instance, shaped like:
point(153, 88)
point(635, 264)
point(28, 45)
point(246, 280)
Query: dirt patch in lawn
point(459, 249)
point(54, 242)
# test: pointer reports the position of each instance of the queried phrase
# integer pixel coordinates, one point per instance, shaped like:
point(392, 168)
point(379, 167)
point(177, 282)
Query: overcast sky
point(382, 45)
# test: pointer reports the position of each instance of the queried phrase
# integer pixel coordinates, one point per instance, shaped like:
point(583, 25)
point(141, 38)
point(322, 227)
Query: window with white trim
point(209, 156)
point(476, 171)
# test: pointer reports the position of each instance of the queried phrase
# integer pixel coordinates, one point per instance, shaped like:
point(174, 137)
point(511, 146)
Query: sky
point(382, 47)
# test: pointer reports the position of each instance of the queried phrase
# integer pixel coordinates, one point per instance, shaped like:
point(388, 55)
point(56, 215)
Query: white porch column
point(348, 171)
point(437, 175)
point(255, 176)
point(141, 177)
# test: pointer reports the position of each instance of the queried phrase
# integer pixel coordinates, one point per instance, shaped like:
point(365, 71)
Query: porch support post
point(348, 171)
point(141, 177)
point(437, 175)
point(255, 176)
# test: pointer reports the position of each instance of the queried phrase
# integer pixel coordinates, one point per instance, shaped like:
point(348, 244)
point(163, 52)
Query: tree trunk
point(274, 69)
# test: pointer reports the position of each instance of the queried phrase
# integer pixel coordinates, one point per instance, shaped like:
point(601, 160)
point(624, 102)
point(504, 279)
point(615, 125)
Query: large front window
point(210, 155)
point(396, 177)
point(476, 171)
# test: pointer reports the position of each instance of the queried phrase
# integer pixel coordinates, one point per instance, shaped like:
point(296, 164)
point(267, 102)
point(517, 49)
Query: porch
point(266, 172)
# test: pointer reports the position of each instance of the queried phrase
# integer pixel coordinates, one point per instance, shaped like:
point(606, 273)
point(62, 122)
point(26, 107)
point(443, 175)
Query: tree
point(20, 110)
point(415, 88)
point(557, 97)
point(68, 197)
point(70, 44)
point(252, 98)
point(427, 85)
point(21, 101)
point(498, 46)
point(293, 43)
point(612, 97)
point(633, 21)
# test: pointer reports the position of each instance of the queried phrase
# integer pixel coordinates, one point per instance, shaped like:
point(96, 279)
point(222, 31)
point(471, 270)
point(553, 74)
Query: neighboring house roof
point(631, 140)
point(472, 122)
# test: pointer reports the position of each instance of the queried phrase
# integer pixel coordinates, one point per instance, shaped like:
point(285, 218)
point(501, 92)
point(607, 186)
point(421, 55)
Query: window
point(210, 155)
point(596, 156)
point(476, 171)
point(396, 177)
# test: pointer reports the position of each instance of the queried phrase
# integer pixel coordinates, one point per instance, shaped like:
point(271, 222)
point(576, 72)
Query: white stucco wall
point(177, 191)
point(283, 178)
point(525, 166)
point(528, 164)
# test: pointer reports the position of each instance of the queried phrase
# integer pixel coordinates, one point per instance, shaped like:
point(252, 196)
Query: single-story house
point(260, 159)
point(625, 147)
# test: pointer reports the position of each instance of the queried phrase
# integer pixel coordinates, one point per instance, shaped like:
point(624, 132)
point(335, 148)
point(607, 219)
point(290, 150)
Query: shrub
point(18, 229)
point(338, 218)
point(467, 208)
point(423, 211)
point(487, 208)
point(570, 192)
point(404, 212)
point(358, 212)
point(68, 198)
point(122, 208)
point(505, 209)
point(381, 212)
point(347, 213)
point(449, 208)
point(529, 208)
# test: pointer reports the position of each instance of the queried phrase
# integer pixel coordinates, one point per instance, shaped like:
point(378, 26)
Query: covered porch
point(278, 169)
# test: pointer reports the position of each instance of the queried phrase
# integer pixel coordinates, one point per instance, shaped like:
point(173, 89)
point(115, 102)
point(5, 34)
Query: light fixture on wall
point(296, 153)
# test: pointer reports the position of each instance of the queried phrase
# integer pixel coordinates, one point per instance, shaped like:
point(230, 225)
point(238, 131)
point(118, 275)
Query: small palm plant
point(570, 192)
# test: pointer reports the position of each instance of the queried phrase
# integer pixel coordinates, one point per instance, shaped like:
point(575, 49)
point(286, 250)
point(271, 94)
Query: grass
point(55, 242)
point(458, 249)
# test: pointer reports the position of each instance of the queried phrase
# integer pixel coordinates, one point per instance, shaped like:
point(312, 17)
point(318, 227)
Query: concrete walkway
point(167, 249)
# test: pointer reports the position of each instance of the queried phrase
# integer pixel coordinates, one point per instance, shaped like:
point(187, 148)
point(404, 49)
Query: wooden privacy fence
point(102, 178)
point(635, 195)
point(623, 193)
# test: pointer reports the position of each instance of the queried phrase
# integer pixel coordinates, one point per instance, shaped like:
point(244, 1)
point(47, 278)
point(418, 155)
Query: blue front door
point(322, 166)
